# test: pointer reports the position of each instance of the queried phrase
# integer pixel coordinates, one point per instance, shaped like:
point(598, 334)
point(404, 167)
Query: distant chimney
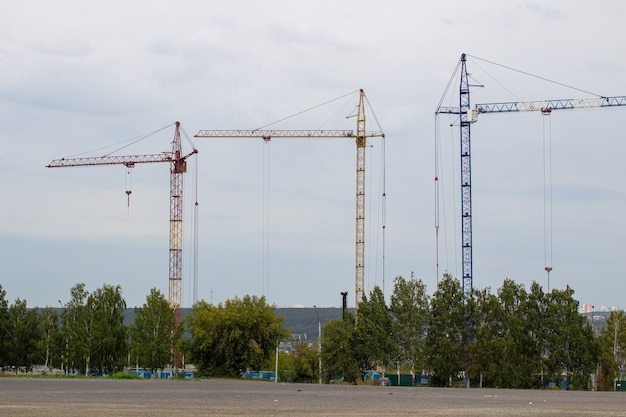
point(344, 304)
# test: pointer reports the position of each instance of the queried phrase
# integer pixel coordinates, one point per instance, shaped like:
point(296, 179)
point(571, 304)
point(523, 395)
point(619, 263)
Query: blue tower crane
point(467, 116)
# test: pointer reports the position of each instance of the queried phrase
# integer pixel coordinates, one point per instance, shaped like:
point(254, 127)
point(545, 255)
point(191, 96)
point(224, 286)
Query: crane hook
point(129, 185)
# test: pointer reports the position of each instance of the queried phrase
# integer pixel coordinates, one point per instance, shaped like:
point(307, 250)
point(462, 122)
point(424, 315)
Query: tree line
point(510, 338)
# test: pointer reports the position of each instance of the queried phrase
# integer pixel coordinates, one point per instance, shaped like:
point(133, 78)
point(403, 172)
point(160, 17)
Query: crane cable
point(129, 186)
point(547, 193)
point(265, 275)
point(436, 190)
point(191, 260)
point(439, 189)
point(130, 142)
point(382, 218)
point(383, 198)
point(193, 287)
point(307, 110)
point(384, 206)
point(195, 230)
point(440, 208)
point(538, 77)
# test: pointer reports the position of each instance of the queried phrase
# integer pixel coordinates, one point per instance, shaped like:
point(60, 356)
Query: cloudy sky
point(278, 219)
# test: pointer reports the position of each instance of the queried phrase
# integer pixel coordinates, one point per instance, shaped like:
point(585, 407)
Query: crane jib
point(265, 134)
point(128, 160)
point(561, 104)
point(234, 133)
point(539, 105)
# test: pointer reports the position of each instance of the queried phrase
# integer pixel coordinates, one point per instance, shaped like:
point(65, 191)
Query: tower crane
point(468, 116)
point(360, 136)
point(178, 167)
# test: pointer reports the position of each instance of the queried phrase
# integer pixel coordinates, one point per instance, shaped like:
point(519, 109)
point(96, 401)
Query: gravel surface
point(216, 397)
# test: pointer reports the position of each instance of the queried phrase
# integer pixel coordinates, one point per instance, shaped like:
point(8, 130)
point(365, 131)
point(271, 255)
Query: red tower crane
point(178, 167)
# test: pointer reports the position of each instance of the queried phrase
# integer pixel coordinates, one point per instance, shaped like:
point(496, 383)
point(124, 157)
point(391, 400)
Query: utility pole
point(319, 342)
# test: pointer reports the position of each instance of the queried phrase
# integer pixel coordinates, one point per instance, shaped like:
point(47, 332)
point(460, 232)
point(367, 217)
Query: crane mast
point(468, 116)
point(466, 180)
point(178, 167)
point(361, 142)
point(360, 136)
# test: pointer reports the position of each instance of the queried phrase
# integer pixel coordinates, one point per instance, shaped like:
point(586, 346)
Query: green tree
point(305, 362)
point(612, 343)
point(154, 334)
point(569, 340)
point(410, 310)
point(340, 360)
point(75, 328)
point(48, 342)
point(229, 338)
point(22, 335)
point(108, 342)
point(515, 365)
point(375, 345)
point(536, 314)
point(448, 332)
point(93, 329)
point(484, 349)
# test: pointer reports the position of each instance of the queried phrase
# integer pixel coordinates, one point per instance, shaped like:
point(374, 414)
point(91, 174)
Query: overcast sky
point(278, 219)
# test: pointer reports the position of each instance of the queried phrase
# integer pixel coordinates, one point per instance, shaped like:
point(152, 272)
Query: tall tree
point(484, 349)
point(48, 342)
point(75, 326)
point(374, 332)
point(448, 332)
point(517, 360)
point(22, 335)
point(340, 359)
point(570, 341)
point(154, 334)
point(232, 337)
point(93, 329)
point(305, 362)
point(613, 351)
point(536, 315)
point(410, 310)
point(108, 343)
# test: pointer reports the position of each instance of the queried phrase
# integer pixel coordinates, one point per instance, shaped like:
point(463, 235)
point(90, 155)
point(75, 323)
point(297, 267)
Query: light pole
point(595, 373)
point(319, 342)
point(64, 354)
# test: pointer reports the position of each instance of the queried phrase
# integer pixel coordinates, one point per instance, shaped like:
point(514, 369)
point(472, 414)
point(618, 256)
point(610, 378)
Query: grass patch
point(125, 375)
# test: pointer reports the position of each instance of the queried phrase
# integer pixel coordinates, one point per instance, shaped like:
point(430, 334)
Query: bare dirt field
point(216, 397)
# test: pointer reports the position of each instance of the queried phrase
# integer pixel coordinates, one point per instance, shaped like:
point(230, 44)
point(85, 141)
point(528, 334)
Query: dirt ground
point(215, 397)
